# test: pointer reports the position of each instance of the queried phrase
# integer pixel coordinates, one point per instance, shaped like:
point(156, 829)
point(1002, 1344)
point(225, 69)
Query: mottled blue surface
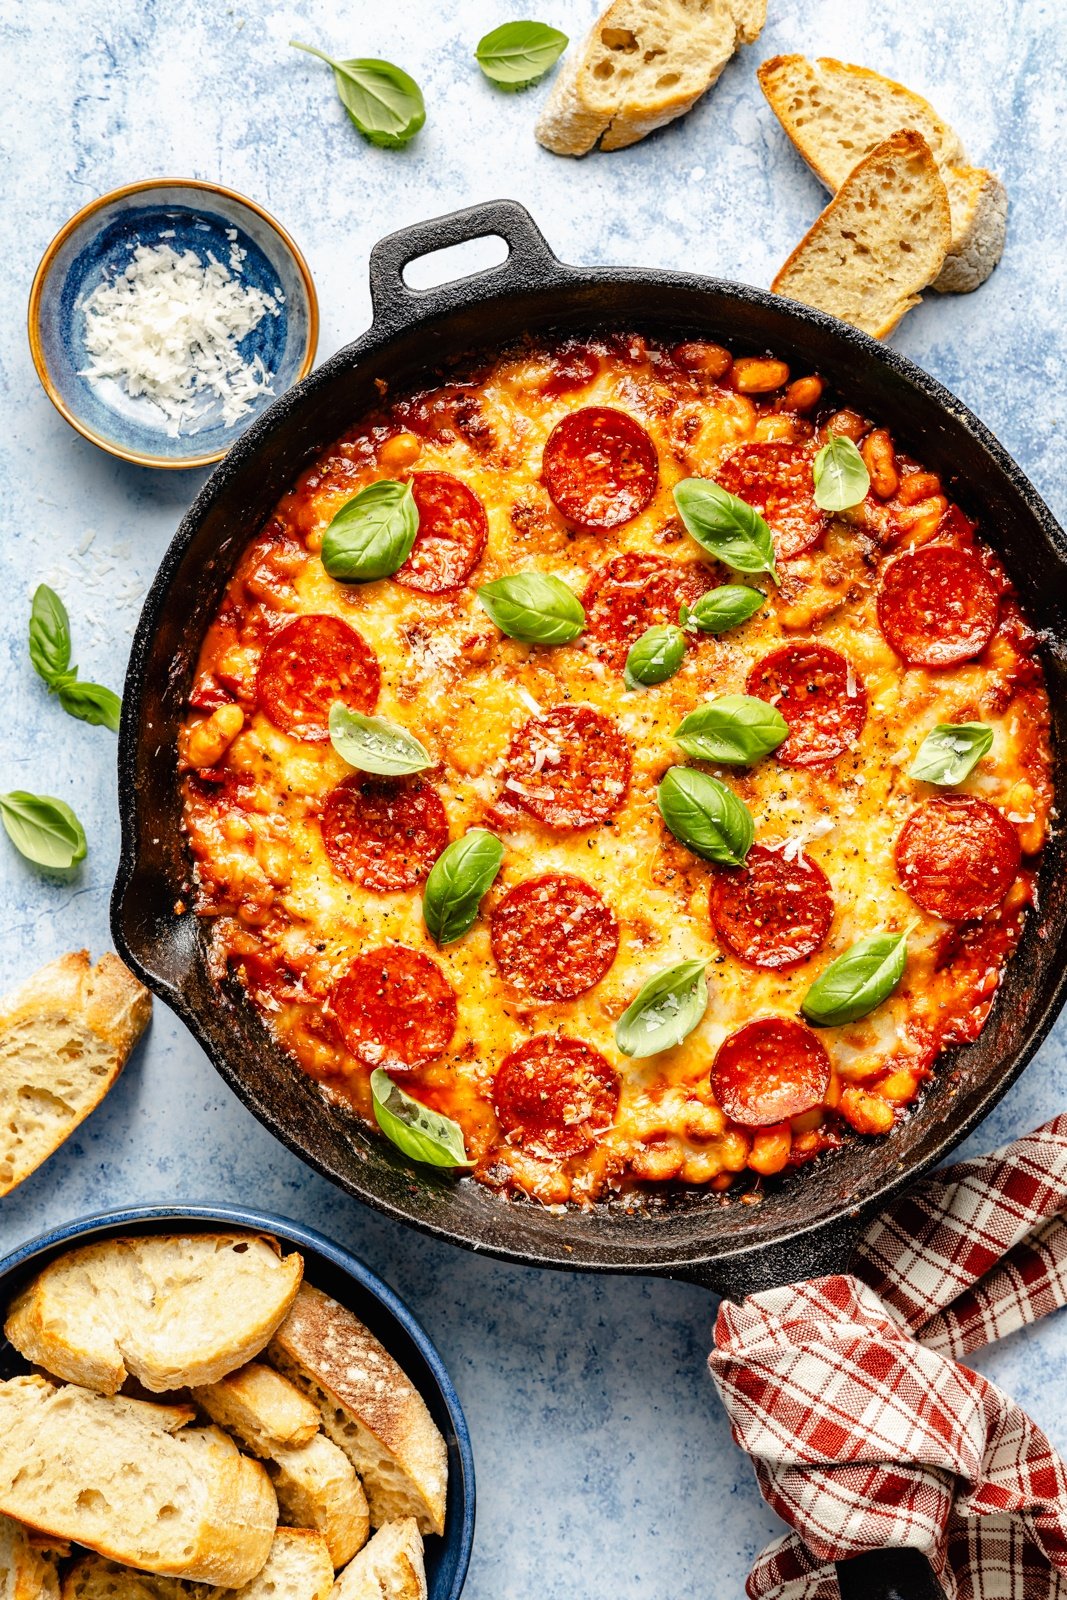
point(100, 248)
point(606, 1471)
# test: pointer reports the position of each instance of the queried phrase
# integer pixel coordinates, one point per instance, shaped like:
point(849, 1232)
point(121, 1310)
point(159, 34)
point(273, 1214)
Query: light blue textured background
point(605, 1468)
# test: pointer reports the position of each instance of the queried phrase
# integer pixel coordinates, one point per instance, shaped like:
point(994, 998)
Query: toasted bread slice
point(369, 1407)
point(26, 1571)
point(172, 1311)
point(644, 63)
point(298, 1568)
point(65, 1035)
point(835, 114)
point(390, 1567)
point(880, 241)
point(133, 1482)
point(317, 1487)
point(262, 1409)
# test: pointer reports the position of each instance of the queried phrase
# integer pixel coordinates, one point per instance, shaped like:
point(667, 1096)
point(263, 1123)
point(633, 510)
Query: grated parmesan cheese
point(168, 328)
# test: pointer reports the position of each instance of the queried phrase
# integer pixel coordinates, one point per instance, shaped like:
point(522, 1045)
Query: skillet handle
point(530, 263)
point(890, 1574)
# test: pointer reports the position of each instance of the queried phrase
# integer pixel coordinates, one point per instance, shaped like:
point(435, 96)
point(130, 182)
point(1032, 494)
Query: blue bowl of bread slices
point(201, 1401)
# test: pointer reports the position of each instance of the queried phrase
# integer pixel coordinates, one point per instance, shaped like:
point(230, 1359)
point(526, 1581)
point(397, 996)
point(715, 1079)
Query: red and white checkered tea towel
point(864, 1430)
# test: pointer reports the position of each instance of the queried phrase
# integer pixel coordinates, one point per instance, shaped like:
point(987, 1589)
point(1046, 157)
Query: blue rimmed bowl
point(330, 1268)
point(97, 244)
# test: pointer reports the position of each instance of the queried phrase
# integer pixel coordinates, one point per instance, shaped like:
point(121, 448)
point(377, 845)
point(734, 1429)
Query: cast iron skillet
point(804, 1227)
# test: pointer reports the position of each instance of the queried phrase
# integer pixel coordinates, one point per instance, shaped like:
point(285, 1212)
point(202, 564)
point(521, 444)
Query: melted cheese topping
point(289, 925)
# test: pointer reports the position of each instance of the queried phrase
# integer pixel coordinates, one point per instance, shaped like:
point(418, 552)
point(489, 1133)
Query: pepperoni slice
point(307, 665)
point(938, 606)
point(394, 1008)
point(820, 697)
point(600, 468)
point(451, 537)
point(385, 833)
point(773, 912)
point(569, 767)
point(553, 937)
point(957, 857)
point(770, 1070)
point(775, 478)
point(633, 592)
point(575, 367)
point(555, 1096)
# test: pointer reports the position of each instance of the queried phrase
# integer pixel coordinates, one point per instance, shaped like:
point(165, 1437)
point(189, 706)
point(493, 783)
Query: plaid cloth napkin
point(864, 1430)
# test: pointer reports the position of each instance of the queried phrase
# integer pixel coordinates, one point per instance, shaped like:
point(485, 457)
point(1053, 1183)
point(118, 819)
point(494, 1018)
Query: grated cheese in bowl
point(168, 329)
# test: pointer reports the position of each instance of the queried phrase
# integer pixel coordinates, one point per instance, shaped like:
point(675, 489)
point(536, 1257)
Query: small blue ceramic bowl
point(98, 244)
point(339, 1274)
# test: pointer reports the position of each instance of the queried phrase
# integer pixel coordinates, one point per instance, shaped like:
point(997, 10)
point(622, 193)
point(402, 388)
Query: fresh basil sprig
point(419, 1133)
point(950, 752)
point(857, 981)
point(736, 729)
point(458, 881)
point(50, 655)
point(372, 534)
point(534, 607)
point(655, 657)
point(516, 54)
point(725, 607)
point(667, 1009)
point(43, 829)
point(725, 526)
point(384, 103)
point(706, 816)
point(374, 744)
point(841, 476)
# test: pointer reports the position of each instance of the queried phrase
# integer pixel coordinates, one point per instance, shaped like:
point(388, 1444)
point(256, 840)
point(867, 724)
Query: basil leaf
point(534, 607)
point(841, 476)
point(91, 702)
point(655, 657)
point(384, 103)
point(374, 744)
point(736, 729)
point(458, 881)
point(950, 752)
point(43, 829)
point(372, 534)
point(706, 816)
point(518, 53)
point(725, 526)
point(857, 981)
point(417, 1132)
point(725, 607)
point(666, 1010)
point(49, 635)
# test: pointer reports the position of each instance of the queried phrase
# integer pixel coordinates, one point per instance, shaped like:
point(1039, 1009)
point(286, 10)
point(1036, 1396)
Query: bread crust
point(903, 158)
point(390, 1567)
point(593, 101)
point(390, 1438)
point(77, 1024)
point(264, 1410)
point(103, 1312)
point(298, 1568)
point(977, 198)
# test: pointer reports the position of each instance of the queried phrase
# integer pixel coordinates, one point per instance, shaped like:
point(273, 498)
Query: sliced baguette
point(390, 1567)
point(172, 1311)
point(644, 63)
point(317, 1487)
point(264, 1410)
point(880, 241)
point(835, 114)
point(133, 1483)
point(65, 1035)
point(298, 1568)
point(369, 1407)
point(26, 1571)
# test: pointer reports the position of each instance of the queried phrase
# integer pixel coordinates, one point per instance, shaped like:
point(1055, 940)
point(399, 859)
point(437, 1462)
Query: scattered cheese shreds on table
point(168, 328)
